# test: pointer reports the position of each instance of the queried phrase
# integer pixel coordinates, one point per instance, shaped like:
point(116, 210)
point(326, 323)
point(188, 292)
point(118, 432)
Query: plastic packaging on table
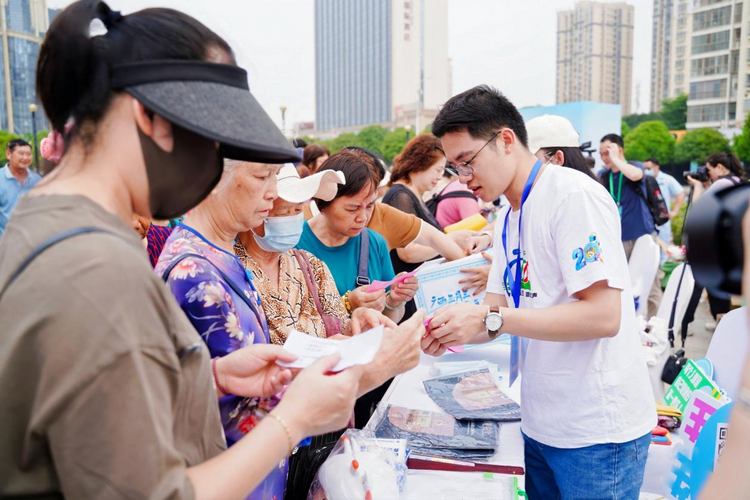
point(361, 466)
point(434, 485)
point(440, 368)
point(434, 431)
point(472, 395)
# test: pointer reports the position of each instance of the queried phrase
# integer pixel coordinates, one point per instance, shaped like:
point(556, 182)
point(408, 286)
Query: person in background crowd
point(313, 157)
point(673, 194)
point(588, 408)
point(627, 186)
point(402, 230)
point(130, 403)
point(416, 170)
point(141, 226)
point(156, 238)
point(724, 170)
point(553, 139)
point(16, 178)
point(457, 207)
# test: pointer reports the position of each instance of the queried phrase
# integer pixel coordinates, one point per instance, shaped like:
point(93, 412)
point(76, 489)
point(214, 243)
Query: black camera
point(713, 231)
point(699, 175)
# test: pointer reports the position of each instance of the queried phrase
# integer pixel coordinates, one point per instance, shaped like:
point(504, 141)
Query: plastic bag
point(653, 335)
point(427, 429)
point(472, 395)
point(361, 466)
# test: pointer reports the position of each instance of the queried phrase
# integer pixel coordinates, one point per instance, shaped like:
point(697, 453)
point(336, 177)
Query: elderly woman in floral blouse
point(220, 296)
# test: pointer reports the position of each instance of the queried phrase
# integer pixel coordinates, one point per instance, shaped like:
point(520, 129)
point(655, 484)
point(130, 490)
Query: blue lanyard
point(515, 283)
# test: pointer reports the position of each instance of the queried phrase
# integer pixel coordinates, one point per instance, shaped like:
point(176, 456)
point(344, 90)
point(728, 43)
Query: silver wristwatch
point(493, 321)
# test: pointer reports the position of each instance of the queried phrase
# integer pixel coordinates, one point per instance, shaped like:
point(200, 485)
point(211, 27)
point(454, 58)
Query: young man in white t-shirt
point(586, 401)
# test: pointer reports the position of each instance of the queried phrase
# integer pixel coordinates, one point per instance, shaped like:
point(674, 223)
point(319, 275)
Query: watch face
point(493, 321)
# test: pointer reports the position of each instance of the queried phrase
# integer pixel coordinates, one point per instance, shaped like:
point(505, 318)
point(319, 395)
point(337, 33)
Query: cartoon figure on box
point(591, 252)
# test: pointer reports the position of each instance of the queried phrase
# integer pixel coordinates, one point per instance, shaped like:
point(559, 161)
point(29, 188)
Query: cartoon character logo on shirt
point(525, 283)
point(591, 252)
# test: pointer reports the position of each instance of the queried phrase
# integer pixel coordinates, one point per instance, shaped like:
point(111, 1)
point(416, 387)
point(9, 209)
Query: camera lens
point(713, 232)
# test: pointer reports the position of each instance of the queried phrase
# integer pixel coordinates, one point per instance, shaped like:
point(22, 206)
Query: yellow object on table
point(473, 223)
point(667, 411)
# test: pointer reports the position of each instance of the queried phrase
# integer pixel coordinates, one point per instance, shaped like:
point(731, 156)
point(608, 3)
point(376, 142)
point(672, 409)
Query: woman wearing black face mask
point(108, 390)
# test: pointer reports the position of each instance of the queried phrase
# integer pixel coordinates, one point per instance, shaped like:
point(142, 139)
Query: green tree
point(634, 120)
point(650, 139)
point(698, 144)
point(5, 137)
point(372, 138)
point(624, 128)
point(341, 141)
point(674, 112)
point(741, 143)
point(394, 143)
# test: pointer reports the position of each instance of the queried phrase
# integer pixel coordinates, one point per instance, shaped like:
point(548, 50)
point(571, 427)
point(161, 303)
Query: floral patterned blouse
point(226, 323)
point(290, 306)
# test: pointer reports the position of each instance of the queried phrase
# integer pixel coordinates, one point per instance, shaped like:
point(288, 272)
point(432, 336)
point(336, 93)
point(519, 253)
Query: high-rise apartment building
point(371, 59)
point(670, 50)
point(595, 53)
point(23, 24)
point(707, 57)
point(719, 88)
point(661, 45)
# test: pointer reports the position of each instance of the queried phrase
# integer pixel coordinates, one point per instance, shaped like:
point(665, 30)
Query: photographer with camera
point(722, 170)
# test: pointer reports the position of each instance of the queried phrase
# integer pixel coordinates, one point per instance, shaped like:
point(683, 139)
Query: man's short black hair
point(615, 139)
point(481, 111)
point(14, 143)
point(653, 160)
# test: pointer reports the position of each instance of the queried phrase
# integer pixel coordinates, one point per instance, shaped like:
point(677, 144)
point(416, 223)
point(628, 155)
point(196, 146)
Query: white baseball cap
point(322, 185)
point(550, 131)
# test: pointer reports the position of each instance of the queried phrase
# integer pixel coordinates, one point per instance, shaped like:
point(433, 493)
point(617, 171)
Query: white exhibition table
point(407, 391)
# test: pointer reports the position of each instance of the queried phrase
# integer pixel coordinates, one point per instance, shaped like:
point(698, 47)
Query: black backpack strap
point(49, 243)
point(455, 194)
point(670, 326)
point(363, 266)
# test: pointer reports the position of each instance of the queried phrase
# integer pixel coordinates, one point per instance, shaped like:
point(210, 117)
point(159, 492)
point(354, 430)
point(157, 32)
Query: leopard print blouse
point(291, 306)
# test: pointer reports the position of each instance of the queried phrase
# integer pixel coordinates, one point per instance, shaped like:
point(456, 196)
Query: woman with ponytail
point(108, 391)
point(724, 170)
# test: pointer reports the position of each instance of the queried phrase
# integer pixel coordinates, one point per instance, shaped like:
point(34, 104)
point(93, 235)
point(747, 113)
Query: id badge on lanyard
point(514, 282)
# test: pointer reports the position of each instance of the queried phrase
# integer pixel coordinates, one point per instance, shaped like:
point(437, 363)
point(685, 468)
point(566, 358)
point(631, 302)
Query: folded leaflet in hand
point(358, 350)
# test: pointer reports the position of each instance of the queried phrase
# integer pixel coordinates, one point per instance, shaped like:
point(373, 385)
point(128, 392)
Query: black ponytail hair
point(730, 161)
point(73, 71)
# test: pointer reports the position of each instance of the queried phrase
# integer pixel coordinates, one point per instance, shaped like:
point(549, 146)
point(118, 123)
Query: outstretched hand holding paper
point(358, 350)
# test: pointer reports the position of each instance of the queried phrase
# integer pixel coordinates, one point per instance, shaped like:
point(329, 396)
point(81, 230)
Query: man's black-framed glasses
point(464, 168)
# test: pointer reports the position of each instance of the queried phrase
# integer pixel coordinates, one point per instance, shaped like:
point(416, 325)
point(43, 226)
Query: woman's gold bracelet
point(286, 429)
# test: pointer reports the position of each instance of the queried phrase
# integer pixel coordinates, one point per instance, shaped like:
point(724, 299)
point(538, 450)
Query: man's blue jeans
point(598, 472)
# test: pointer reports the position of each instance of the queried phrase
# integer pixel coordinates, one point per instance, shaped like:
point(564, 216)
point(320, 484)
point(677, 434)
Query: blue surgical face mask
point(649, 172)
point(282, 233)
